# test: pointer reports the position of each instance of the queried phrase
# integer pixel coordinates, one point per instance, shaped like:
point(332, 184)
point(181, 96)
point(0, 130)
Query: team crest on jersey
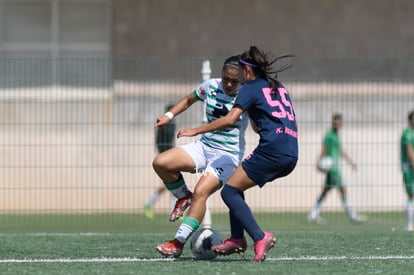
point(202, 92)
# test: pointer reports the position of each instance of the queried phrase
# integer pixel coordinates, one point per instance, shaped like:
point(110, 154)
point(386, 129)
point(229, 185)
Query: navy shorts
point(262, 169)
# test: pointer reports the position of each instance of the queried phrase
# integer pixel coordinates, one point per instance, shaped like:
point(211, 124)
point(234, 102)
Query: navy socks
point(241, 217)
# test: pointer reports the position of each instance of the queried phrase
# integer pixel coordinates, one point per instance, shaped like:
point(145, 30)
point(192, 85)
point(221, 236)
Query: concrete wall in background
point(302, 27)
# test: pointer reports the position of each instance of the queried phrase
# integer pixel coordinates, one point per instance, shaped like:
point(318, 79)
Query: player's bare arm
point(221, 123)
point(182, 105)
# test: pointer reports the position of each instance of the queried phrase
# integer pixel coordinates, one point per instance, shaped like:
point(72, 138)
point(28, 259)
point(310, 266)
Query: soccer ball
point(325, 164)
point(202, 241)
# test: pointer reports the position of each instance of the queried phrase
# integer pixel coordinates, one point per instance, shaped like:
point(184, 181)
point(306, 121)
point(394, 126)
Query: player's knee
point(160, 163)
point(203, 192)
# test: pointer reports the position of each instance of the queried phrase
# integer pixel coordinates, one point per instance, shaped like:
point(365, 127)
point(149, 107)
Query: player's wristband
point(169, 115)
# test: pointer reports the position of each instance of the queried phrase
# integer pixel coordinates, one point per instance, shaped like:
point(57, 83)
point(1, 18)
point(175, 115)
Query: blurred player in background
point(272, 116)
point(407, 167)
point(332, 147)
point(217, 153)
point(165, 140)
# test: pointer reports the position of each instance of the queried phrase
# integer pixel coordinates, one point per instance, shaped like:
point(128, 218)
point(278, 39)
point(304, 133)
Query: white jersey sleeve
point(201, 91)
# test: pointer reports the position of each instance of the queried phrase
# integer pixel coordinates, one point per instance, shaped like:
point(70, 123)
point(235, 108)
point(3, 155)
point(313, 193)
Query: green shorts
point(333, 179)
point(409, 182)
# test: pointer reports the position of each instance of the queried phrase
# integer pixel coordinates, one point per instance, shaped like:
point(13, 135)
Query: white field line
point(281, 259)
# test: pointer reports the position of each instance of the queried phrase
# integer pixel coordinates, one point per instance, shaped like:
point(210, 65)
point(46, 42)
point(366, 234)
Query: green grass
point(79, 244)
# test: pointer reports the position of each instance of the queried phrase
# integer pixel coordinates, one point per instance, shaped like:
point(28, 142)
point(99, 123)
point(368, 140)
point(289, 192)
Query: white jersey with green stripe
point(218, 104)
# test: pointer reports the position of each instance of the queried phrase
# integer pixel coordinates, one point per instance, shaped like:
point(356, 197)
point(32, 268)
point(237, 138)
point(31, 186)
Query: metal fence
point(77, 135)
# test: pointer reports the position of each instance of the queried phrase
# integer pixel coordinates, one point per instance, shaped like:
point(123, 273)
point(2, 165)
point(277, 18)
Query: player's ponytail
point(261, 64)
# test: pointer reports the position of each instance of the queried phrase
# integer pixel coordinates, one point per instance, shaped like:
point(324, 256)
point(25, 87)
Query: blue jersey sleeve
point(245, 98)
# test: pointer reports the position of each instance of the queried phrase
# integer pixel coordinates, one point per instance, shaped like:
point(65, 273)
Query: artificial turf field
point(125, 244)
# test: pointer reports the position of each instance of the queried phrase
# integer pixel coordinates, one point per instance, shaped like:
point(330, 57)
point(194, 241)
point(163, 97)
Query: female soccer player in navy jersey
point(270, 109)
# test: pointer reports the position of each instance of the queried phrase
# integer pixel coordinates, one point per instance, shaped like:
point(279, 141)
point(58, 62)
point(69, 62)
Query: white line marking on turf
point(338, 258)
point(87, 260)
point(57, 234)
point(118, 260)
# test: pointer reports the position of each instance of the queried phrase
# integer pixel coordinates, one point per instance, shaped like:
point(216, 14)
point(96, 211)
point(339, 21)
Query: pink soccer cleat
point(261, 247)
point(230, 246)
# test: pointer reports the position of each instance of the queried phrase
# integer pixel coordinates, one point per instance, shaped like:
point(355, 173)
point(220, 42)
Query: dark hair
point(336, 116)
point(261, 64)
point(232, 61)
point(411, 116)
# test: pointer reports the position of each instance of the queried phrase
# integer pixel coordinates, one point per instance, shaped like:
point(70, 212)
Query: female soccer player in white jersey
point(218, 153)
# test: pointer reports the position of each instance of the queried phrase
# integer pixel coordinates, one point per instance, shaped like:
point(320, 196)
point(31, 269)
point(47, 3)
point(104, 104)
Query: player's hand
point(186, 132)
point(161, 121)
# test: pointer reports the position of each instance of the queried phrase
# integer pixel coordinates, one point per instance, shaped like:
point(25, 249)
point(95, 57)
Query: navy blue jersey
point(273, 113)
